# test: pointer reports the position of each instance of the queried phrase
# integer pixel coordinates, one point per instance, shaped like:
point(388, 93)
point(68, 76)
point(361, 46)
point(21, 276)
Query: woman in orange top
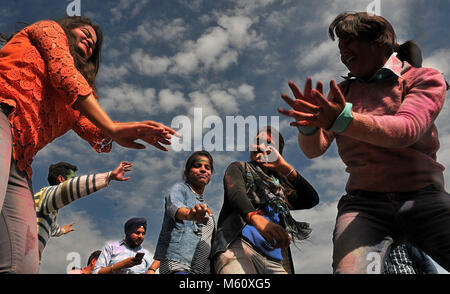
point(47, 87)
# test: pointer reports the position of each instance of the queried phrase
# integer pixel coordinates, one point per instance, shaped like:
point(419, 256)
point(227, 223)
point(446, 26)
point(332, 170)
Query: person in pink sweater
point(382, 117)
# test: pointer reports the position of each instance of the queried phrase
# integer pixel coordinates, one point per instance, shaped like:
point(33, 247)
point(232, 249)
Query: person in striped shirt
point(65, 187)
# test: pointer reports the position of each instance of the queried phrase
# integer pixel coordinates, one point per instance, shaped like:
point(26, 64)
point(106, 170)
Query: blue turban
point(133, 224)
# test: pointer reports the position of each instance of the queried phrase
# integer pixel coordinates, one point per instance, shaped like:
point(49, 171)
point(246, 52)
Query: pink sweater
point(391, 144)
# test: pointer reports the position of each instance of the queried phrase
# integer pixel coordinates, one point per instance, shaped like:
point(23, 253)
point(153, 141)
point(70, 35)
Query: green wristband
point(343, 120)
point(307, 131)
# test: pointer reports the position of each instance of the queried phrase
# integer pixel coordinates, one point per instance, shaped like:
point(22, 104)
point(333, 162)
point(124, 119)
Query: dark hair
point(59, 169)
point(376, 29)
point(191, 160)
point(94, 255)
point(89, 68)
point(275, 135)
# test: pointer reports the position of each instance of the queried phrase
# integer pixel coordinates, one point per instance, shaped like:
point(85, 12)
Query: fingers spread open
point(295, 90)
point(338, 97)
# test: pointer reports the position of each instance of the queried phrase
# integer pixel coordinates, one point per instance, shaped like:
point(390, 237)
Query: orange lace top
point(38, 78)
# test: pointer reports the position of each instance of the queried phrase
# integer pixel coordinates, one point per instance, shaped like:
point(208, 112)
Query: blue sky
point(161, 59)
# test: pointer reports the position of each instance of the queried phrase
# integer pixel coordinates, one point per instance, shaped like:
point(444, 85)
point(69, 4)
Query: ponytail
point(409, 52)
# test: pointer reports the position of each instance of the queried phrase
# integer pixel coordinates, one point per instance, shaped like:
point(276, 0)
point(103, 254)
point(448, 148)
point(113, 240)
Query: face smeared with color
point(86, 40)
point(70, 175)
point(200, 172)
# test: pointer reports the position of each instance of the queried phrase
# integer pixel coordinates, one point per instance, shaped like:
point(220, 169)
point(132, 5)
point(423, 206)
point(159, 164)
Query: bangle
point(290, 172)
point(343, 120)
point(307, 131)
point(150, 269)
point(251, 214)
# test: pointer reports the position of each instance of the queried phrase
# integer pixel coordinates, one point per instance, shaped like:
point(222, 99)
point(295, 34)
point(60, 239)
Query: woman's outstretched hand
point(153, 133)
point(311, 108)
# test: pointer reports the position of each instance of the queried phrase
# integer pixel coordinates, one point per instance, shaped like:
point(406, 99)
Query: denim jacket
point(178, 239)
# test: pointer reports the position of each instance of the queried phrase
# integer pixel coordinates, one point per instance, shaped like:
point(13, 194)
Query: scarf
point(265, 189)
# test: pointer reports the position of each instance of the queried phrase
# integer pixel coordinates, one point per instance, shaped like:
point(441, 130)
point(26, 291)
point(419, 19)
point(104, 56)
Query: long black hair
point(88, 68)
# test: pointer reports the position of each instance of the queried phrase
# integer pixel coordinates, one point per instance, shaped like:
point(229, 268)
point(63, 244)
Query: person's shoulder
point(41, 191)
point(46, 23)
point(422, 74)
point(177, 190)
point(236, 165)
point(179, 187)
point(114, 245)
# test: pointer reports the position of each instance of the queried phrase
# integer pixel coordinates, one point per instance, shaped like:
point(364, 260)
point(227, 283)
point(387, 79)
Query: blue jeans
point(367, 223)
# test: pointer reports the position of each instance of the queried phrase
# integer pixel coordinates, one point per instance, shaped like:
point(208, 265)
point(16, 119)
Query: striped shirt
point(49, 199)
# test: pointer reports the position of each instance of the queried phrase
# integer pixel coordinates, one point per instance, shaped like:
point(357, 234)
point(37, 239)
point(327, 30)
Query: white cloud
point(313, 54)
point(149, 65)
point(224, 101)
point(83, 241)
point(439, 60)
point(184, 63)
point(315, 254)
point(126, 98)
point(202, 100)
point(328, 172)
point(248, 7)
point(127, 8)
point(216, 49)
point(169, 100)
point(244, 91)
point(157, 31)
point(112, 73)
point(238, 31)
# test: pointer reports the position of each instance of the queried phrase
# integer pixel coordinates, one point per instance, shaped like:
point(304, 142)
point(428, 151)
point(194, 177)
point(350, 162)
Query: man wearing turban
point(127, 256)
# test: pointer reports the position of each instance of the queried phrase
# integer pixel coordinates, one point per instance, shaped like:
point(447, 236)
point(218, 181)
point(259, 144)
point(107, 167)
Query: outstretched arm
point(421, 105)
point(51, 42)
point(58, 196)
point(57, 231)
point(125, 134)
